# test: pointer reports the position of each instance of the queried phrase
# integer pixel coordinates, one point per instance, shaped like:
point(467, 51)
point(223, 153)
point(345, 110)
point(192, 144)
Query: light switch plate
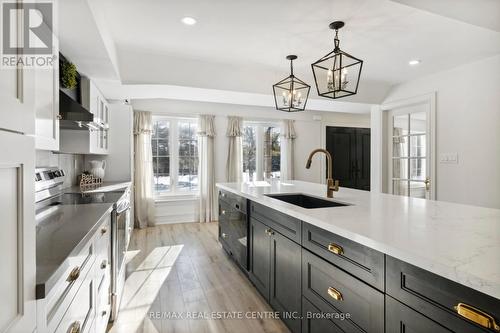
point(448, 158)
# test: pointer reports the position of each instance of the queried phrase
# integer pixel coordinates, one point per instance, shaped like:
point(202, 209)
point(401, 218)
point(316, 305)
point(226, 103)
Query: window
point(175, 155)
point(261, 145)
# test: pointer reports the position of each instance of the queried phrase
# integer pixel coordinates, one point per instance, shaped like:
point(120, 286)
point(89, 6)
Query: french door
point(410, 151)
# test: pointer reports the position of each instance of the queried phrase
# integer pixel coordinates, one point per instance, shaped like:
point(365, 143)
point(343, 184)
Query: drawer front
point(65, 289)
point(317, 321)
point(103, 302)
point(81, 312)
point(437, 297)
point(234, 201)
point(361, 261)
point(286, 225)
point(325, 284)
point(401, 319)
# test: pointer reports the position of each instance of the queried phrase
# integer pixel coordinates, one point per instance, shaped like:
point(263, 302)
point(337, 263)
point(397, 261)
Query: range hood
point(74, 115)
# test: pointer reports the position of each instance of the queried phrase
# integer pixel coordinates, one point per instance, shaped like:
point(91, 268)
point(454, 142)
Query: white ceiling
point(241, 45)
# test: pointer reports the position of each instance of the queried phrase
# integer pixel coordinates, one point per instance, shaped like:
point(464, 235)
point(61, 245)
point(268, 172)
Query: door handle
point(335, 294)
point(334, 248)
point(74, 274)
point(427, 183)
point(479, 317)
point(75, 327)
point(269, 232)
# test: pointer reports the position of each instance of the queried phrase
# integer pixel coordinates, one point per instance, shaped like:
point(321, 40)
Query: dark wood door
point(350, 148)
point(260, 257)
point(285, 291)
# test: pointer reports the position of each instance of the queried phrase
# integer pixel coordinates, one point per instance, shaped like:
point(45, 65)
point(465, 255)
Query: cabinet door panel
point(260, 256)
point(47, 107)
point(402, 319)
point(326, 285)
point(17, 239)
point(285, 292)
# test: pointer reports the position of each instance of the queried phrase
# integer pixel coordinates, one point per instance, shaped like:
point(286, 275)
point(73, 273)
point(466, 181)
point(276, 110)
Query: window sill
point(177, 197)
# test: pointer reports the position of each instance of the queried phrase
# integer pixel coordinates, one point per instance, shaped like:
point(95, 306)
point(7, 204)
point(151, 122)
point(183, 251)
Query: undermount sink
point(306, 201)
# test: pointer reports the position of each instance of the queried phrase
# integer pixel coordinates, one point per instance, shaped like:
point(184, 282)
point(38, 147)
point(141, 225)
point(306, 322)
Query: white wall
point(309, 135)
point(467, 123)
point(119, 164)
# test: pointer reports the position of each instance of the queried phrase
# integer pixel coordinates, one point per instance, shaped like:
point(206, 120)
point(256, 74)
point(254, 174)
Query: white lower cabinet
point(17, 239)
point(80, 301)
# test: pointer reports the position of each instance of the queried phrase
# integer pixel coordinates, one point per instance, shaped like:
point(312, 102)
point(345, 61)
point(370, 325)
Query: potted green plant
point(68, 75)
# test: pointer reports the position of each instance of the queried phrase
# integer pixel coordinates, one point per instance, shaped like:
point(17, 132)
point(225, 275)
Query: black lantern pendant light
point(337, 73)
point(291, 93)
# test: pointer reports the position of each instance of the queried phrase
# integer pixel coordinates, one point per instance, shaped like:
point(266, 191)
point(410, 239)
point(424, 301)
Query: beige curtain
point(234, 167)
point(143, 175)
point(206, 168)
point(288, 136)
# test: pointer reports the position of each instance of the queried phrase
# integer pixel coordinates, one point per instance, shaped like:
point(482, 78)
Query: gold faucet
point(331, 184)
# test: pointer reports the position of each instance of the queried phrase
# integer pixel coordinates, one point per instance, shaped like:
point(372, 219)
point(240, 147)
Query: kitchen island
point(426, 260)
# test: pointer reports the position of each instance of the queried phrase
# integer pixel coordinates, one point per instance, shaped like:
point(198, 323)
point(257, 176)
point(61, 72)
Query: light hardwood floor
point(181, 269)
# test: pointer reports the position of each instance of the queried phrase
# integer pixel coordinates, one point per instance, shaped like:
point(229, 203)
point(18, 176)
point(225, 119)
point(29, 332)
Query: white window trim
point(174, 194)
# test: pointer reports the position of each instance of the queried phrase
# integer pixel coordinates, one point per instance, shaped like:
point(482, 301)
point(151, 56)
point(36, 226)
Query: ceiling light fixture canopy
point(337, 74)
point(291, 93)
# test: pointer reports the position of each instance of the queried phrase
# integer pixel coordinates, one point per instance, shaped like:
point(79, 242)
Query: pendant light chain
point(336, 41)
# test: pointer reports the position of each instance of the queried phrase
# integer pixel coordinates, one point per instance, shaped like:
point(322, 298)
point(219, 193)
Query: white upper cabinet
point(17, 239)
point(16, 94)
point(47, 104)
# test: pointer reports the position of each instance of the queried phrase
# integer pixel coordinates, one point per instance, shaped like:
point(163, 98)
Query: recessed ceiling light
point(414, 62)
point(188, 20)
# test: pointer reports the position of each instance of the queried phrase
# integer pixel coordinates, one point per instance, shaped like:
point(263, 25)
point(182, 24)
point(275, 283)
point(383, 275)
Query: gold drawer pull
point(74, 274)
point(479, 317)
point(75, 327)
point(334, 248)
point(335, 294)
point(103, 230)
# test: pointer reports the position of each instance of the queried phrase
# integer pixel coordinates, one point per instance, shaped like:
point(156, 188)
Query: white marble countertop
point(458, 242)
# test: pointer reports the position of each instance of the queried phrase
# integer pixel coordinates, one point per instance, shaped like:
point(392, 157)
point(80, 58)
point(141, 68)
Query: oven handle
point(125, 208)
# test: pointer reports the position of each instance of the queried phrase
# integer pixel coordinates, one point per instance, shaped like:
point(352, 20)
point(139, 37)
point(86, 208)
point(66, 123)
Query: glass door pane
point(409, 152)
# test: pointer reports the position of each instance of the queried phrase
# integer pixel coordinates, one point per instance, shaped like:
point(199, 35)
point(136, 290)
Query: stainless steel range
point(49, 194)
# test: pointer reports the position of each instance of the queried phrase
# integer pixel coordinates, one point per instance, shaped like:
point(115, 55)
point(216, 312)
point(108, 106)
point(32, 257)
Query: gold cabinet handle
point(334, 248)
point(74, 274)
point(75, 327)
point(269, 232)
point(479, 317)
point(335, 294)
point(103, 230)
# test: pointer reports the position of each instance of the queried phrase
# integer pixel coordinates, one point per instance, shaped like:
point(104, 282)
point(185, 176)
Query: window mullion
point(174, 163)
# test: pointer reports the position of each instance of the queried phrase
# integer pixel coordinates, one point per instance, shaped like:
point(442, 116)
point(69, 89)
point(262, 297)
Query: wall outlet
point(448, 158)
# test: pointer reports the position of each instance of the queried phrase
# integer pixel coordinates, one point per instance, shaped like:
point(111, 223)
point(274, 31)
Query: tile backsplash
point(72, 164)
